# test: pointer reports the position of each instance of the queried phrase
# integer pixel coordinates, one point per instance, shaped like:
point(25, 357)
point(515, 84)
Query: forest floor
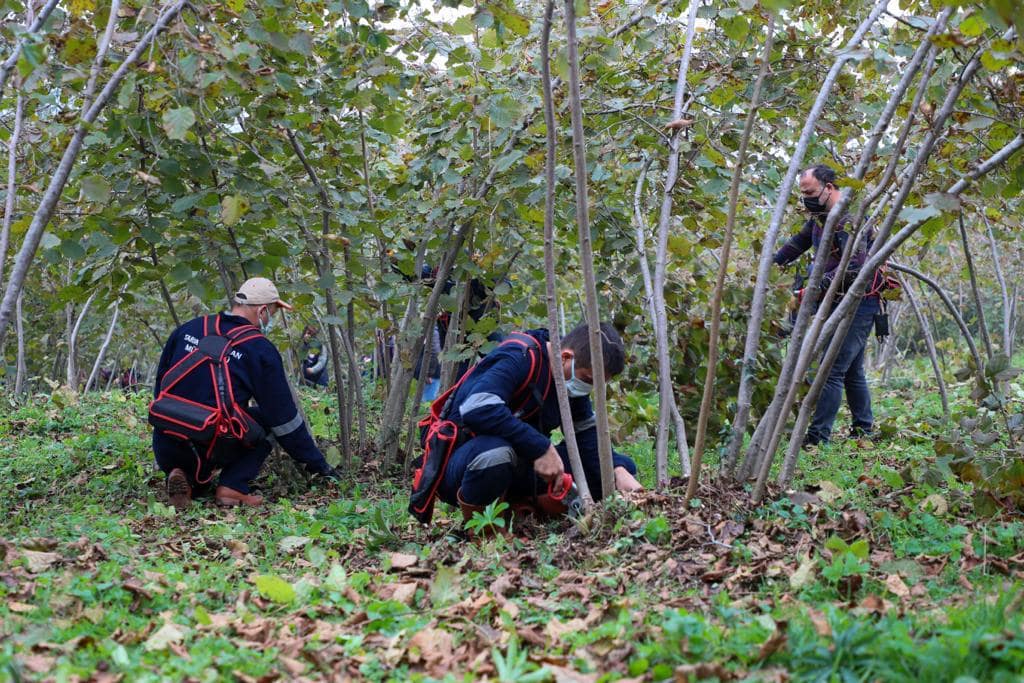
point(874, 568)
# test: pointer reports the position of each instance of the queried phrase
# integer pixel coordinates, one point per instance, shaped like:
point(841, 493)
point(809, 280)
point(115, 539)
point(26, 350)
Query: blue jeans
point(847, 373)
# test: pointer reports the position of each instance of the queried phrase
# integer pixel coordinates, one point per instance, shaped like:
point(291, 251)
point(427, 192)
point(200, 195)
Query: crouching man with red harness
point(209, 370)
point(488, 437)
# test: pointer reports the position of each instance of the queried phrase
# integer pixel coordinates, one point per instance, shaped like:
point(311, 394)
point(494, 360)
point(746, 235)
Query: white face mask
point(576, 387)
point(266, 327)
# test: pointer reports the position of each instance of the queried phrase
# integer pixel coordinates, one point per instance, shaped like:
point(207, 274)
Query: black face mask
point(814, 205)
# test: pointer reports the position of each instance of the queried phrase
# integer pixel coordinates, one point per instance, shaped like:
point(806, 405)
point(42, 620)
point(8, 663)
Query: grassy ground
point(876, 568)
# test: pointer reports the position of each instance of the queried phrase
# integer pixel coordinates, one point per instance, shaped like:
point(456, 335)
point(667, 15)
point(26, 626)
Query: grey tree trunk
point(103, 349)
point(979, 305)
point(551, 295)
point(21, 377)
point(604, 443)
point(929, 340)
point(723, 267)
point(72, 366)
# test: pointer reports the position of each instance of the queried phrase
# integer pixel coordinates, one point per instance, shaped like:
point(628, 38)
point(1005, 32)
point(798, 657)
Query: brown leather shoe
point(228, 497)
point(179, 491)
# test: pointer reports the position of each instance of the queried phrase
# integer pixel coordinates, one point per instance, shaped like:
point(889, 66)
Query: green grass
point(307, 585)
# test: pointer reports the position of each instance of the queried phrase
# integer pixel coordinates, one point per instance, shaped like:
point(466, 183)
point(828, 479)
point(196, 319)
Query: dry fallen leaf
point(828, 491)
point(402, 561)
point(820, 622)
point(38, 561)
point(775, 642)
point(688, 672)
point(20, 607)
point(167, 634)
point(804, 573)
point(896, 586)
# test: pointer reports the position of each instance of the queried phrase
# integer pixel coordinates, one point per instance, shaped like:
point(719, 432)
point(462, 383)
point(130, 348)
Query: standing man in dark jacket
point(510, 454)
point(257, 373)
point(819, 193)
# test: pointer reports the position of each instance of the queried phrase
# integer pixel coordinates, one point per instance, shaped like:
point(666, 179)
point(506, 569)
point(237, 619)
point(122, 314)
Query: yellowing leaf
point(275, 589)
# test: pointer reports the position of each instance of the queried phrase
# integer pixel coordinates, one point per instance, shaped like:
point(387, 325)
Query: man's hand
point(549, 466)
point(332, 475)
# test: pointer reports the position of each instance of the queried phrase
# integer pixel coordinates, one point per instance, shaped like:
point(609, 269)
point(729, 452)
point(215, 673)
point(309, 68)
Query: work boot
point(488, 531)
point(229, 497)
point(179, 491)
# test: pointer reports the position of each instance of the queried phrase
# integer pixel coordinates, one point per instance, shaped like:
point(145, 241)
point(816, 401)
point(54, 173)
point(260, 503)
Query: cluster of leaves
point(986, 446)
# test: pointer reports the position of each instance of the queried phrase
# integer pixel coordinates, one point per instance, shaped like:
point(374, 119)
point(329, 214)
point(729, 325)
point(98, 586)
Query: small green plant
point(514, 667)
point(849, 564)
point(658, 530)
point(492, 517)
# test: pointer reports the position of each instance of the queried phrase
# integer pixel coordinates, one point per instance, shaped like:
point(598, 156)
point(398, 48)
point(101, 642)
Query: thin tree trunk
point(1003, 291)
point(753, 339)
point(551, 296)
point(723, 267)
point(604, 443)
point(929, 340)
point(645, 271)
point(48, 204)
point(323, 259)
point(979, 305)
point(72, 367)
point(22, 375)
point(34, 26)
point(12, 183)
point(103, 348)
point(665, 389)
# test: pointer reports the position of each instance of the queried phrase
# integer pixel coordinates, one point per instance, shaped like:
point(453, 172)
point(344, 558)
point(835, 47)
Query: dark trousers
point(487, 468)
point(238, 465)
point(847, 373)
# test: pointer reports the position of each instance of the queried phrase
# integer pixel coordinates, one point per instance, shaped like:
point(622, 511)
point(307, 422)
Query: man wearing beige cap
point(202, 417)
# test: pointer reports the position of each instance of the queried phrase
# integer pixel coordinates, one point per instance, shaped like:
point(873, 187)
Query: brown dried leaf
point(896, 586)
point(38, 562)
point(820, 622)
point(20, 607)
point(775, 642)
point(402, 561)
point(690, 672)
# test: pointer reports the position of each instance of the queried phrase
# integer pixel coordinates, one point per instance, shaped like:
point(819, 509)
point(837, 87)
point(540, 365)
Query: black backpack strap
point(528, 389)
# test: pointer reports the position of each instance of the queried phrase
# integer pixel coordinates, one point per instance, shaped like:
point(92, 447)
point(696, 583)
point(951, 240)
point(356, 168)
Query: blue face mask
point(576, 387)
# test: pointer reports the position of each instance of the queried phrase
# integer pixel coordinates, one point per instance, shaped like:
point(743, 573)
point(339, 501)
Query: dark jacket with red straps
point(482, 405)
point(257, 373)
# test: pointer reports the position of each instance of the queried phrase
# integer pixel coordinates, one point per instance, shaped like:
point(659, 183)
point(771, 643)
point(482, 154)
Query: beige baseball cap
point(257, 291)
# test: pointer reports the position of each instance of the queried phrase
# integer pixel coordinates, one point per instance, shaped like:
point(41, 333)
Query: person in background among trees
point(819, 193)
point(256, 373)
point(314, 360)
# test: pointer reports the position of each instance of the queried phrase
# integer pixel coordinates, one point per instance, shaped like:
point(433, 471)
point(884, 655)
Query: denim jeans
point(847, 373)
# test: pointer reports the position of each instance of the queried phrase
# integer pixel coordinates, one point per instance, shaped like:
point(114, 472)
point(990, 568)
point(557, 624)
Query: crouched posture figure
point(509, 455)
point(256, 373)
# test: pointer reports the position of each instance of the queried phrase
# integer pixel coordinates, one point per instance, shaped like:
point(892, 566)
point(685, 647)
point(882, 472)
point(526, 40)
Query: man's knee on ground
point(488, 475)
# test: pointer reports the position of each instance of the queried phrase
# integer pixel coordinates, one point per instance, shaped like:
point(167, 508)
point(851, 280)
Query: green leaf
point(918, 214)
point(95, 188)
point(943, 201)
point(72, 249)
point(392, 123)
point(463, 26)
point(859, 549)
point(513, 21)
point(837, 544)
point(275, 589)
point(176, 122)
point(973, 25)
